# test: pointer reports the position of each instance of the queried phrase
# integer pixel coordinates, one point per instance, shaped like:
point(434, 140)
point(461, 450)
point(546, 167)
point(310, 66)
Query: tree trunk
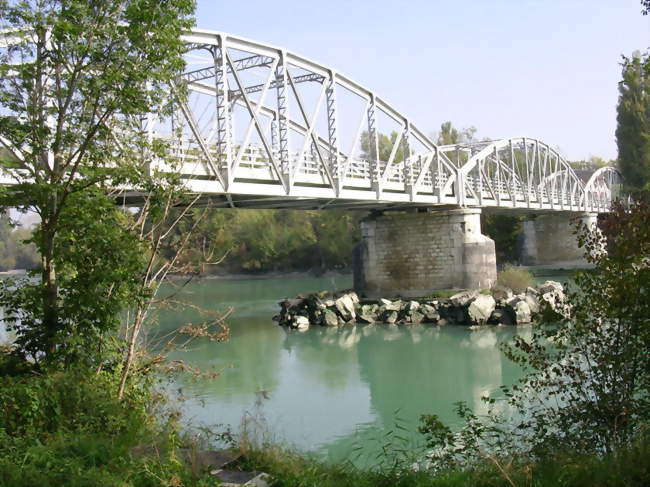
point(50, 287)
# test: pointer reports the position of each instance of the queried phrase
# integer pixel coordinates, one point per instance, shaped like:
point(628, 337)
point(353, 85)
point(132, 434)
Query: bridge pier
point(549, 239)
point(413, 254)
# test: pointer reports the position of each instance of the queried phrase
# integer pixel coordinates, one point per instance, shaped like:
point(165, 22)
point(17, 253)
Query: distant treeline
point(259, 241)
point(243, 240)
point(250, 241)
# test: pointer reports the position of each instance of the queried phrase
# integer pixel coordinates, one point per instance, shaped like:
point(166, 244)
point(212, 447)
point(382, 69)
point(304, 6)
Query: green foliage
point(385, 145)
point(587, 387)
point(515, 278)
point(67, 428)
point(98, 262)
point(75, 83)
point(505, 231)
point(633, 122)
point(450, 135)
point(272, 240)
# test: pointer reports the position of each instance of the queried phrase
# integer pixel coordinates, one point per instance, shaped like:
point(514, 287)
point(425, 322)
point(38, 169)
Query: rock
point(463, 298)
point(236, 478)
point(353, 296)
point(501, 292)
point(416, 317)
point(385, 302)
point(532, 302)
point(330, 318)
point(480, 310)
point(345, 307)
point(531, 291)
point(411, 306)
point(500, 317)
point(550, 287)
point(367, 319)
point(389, 317)
point(429, 312)
point(519, 310)
point(394, 306)
point(300, 322)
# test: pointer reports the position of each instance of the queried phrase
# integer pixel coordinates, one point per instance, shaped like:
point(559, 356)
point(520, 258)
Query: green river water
point(330, 391)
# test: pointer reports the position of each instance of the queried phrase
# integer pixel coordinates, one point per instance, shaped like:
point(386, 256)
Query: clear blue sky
point(540, 68)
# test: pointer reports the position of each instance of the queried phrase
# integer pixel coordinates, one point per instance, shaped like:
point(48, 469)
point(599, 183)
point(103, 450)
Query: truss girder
point(265, 124)
point(524, 172)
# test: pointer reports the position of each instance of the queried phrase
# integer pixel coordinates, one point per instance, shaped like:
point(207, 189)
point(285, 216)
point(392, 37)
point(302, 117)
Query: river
point(329, 391)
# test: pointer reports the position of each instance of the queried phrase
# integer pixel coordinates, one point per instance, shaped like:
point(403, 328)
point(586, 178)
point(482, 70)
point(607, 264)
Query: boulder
point(519, 310)
point(416, 317)
point(533, 302)
point(429, 312)
point(330, 318)
point(480, 310)
point(501, 292)
point(394, 305)
point(500, 317)
point(411, 306)
point(550, 287)
point(345, 307)
point(463, 298)
point(389, 317)
point(531, 291)
point(300, 322)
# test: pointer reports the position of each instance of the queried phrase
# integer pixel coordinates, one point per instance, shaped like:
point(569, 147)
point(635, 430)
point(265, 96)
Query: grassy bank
point(66, 428)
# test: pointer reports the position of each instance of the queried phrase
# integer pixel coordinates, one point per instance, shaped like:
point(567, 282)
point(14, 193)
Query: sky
point(547, 69)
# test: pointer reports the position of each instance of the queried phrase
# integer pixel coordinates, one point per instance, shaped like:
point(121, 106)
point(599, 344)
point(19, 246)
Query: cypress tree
point(633, 122)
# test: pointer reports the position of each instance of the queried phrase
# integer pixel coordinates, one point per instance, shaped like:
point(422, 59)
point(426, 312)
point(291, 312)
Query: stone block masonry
point(413, 254)
point(549, 239)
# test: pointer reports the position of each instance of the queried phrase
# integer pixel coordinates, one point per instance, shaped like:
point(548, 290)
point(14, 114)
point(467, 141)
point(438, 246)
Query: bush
point(68, 428)
point(515, 278)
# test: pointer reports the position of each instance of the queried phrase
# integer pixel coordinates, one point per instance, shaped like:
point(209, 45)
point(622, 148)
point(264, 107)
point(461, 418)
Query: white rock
point(481, 308)
point(300, 322)
point(345, 306)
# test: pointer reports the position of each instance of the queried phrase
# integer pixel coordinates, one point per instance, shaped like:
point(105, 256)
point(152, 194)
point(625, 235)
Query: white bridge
point(266, 128)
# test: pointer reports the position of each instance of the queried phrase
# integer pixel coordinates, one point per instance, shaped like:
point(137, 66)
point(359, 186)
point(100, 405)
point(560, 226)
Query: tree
point(385, 144)
point(633, 122)
point(450, 135)
point(645, 4)
point(587, 387)
point(77, 78)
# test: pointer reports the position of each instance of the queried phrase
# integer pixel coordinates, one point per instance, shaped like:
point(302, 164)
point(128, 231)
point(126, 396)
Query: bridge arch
point(517, 172)
point(260, 118)
point(266, 127)
point(602, 188)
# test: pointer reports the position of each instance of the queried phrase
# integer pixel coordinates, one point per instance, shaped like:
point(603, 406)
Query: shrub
point(515, 278)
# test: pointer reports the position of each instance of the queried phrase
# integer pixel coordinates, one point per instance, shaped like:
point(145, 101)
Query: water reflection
point(331, 388)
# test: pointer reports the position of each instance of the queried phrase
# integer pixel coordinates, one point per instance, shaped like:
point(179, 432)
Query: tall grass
point(515, 278)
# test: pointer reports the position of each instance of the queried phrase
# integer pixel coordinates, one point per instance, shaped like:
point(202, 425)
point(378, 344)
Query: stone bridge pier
point(550, 240)
point(413, 254)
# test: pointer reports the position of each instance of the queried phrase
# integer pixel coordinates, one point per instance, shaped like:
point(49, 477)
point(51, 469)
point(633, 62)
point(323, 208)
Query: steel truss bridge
point(266, 128)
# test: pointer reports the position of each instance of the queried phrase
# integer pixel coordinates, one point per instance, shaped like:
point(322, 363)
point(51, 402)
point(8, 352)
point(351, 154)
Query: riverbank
point(67, 428)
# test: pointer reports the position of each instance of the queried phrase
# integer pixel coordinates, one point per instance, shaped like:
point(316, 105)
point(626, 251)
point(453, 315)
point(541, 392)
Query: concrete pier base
point(549, 239)
point(413, 254)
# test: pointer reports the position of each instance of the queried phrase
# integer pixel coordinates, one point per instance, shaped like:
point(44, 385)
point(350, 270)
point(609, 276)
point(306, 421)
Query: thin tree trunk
point(50, 287)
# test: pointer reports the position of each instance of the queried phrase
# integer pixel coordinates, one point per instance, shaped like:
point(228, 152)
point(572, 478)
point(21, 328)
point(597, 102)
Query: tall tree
point(450, 135)
point(77, 79)
point(633, 122)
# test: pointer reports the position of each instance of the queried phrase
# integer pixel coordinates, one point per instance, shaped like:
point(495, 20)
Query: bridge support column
point(549, 240)
point(413, 254)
